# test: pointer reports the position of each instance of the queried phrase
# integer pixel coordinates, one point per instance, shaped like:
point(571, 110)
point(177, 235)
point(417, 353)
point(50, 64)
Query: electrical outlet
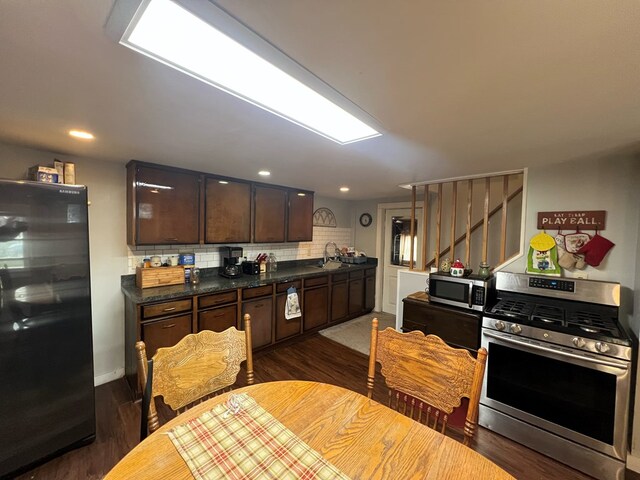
point(582, 275)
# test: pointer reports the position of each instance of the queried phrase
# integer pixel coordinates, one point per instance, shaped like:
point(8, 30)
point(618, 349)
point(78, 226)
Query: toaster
point(250, 268)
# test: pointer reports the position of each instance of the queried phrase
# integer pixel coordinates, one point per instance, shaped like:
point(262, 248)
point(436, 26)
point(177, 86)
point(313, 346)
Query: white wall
point(611, 184)
point(105, 183)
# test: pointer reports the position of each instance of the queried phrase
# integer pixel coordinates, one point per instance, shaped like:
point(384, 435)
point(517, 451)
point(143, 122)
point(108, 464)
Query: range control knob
point(515, 328)
point(579, 342)
point(499, 324)
point(602, 347)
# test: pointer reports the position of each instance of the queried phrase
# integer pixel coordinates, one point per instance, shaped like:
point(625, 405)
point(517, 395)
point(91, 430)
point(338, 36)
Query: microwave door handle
point(470, 295)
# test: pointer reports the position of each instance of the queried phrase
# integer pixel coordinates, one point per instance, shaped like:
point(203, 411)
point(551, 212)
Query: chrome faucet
point(336, 251)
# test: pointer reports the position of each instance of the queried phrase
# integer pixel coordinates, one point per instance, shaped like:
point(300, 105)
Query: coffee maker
point(230, 262)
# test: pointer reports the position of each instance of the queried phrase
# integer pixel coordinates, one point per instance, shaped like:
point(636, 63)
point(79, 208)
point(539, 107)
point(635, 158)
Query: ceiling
point(460, 88)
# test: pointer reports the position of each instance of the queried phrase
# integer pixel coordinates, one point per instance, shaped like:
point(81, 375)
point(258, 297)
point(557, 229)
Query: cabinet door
point(218, 319)
point(339, 301)
point(167, 206)
point(285, 328)
point(228, 211)
point(369, 293)
point(165, 333)
point(270, 213)
point(356, 292)
point(315, 307)
point(260, 310)
point(300, 226)
point(458, 328)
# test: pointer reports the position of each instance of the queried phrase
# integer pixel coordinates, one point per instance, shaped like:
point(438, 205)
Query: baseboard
point(108, 377)
point(633, 463)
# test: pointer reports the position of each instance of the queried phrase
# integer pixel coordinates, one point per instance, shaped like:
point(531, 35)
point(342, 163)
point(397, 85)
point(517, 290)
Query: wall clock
point(365, 219)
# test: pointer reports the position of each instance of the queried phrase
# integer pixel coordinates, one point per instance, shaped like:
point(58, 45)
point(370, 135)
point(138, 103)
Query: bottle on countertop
point(272, 263)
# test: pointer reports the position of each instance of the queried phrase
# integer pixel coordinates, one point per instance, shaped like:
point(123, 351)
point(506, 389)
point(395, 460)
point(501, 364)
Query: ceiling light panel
point(169, 33)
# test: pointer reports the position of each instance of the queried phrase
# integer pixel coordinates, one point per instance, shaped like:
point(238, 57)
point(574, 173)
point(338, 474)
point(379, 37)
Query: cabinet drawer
point(165, 333)
point(283, 287)
point(312, 282)
point(166, 308)
point(248, 293)
point(357, 274)
point(339, 277)
point(217, 299)
point(218, 319)
point(369, 272)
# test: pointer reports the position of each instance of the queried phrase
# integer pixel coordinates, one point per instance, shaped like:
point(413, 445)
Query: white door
point(396, 252)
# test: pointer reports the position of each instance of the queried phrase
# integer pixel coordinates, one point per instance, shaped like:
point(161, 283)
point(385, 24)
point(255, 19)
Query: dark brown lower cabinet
point(315, 311)
point(339, 301)
point(287, 328)
point(165, 333)
point(218, 319)
point(459, 328)
point(356, 293)
point(260, 310)
point(369, 293)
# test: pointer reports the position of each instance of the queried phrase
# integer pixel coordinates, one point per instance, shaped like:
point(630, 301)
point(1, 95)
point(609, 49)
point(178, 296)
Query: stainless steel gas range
point(559, 370)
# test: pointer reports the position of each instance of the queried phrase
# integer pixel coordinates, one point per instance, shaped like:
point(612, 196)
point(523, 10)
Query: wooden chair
point(426, 378)
point(198, 367)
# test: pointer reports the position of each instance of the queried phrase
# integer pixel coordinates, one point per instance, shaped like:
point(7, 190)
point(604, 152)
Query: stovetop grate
point(575, 318)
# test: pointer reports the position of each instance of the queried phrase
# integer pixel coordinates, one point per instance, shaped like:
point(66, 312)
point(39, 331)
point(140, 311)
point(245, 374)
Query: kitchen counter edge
point(215, 283)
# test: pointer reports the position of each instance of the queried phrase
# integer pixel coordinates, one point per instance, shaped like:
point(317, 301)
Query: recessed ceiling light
point(264, 173)
point(81, 134)
point(202, 40)
point(223, 182)
point(344, 189)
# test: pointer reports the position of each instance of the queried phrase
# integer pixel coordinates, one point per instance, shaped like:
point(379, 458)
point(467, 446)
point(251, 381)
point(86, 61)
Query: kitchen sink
point(332, 265)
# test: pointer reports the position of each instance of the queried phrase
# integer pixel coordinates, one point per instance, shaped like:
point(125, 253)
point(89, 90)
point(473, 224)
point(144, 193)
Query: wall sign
point(579, 220)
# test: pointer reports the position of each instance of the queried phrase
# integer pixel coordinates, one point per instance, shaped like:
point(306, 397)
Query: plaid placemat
point(241, 440)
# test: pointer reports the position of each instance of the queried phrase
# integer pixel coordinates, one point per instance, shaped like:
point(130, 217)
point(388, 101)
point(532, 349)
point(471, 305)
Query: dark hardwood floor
point(314, 358)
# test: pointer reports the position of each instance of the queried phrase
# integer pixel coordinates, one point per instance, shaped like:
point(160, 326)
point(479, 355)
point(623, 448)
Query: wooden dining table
point(361, 437)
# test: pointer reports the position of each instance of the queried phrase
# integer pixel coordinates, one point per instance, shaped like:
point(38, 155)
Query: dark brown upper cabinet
point(270, 207)
point(168, 205)
point(227, 211)
point(163, 205)
point(300, 224)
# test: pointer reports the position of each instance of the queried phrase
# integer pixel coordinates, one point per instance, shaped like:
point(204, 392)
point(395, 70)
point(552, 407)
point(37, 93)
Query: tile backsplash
point(209, 255)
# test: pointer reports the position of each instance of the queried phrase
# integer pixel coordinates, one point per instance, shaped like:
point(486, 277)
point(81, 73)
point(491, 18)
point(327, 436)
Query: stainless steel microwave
point(470, 292)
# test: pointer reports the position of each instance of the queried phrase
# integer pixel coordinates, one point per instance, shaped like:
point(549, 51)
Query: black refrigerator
point(47, 403)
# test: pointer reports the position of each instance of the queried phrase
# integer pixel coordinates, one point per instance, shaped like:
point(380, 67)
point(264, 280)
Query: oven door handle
point(470, 295)
point(608, 363)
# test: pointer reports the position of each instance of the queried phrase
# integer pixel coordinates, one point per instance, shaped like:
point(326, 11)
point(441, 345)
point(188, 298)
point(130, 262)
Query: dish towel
point(241, 440)
point(292, 307)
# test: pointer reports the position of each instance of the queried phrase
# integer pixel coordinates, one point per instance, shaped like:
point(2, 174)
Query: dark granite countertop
point(210, 282)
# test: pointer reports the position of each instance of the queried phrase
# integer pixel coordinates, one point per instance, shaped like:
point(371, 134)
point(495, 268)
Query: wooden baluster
point(452, 236)
point(413, 406)
point(467, 242)
point(436, 417)
point(438, 225)
point(425, 226)
point(412, 229)
point(503, 227)
point(485, 220)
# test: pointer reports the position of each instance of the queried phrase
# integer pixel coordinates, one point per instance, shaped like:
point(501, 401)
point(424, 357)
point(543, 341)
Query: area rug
point(356, 333)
